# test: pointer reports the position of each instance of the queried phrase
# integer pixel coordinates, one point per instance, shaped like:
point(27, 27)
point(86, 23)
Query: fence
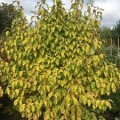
point(118, 47)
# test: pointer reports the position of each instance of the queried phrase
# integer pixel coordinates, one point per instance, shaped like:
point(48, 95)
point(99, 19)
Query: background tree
point(110, 40)
point(116, 33)
point(106, 35)
point(7, 14)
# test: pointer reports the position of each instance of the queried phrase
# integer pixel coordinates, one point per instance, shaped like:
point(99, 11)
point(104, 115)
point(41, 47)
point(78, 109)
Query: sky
point(111, 8)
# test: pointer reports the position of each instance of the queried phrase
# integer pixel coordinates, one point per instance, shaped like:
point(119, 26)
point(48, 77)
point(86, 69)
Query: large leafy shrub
point(56, 69)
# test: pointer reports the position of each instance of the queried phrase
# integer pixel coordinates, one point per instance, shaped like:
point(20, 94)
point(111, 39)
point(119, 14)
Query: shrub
point(55, 69)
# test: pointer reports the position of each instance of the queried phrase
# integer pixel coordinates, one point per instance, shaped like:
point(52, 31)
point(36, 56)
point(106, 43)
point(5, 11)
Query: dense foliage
point(110, 47)
point(56, 70)
point(116, 32)
point(106, 35)
point(7, 14)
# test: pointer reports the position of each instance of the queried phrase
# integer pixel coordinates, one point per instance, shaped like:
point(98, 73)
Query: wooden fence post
point(118, 46)
point(111, 48)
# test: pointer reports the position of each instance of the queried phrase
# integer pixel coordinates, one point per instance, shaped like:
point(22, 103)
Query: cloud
point(111, 12)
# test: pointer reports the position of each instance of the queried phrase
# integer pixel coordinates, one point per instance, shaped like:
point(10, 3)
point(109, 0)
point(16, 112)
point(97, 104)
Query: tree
point(56, 70)
point(7, 14)
point(116, 33)
point(106, 35)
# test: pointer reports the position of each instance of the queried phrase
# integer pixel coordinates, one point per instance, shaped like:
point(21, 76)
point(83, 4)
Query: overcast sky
point(111, 8)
